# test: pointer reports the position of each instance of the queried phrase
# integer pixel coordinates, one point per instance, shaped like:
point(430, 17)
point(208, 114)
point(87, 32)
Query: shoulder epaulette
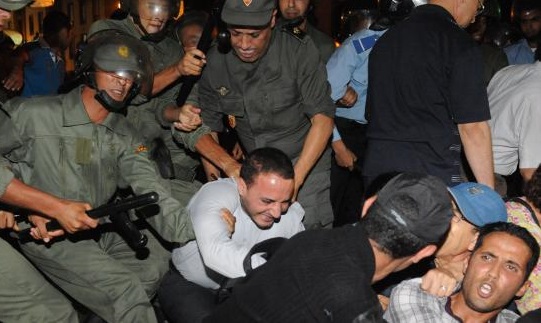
point(365, 43)
point(295, 31)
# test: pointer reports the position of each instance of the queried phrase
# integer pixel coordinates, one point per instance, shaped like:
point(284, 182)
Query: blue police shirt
point(349, 66)
point(519, 53)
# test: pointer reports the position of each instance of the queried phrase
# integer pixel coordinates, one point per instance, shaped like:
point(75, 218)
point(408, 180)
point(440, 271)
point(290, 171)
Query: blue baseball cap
point(479, 204)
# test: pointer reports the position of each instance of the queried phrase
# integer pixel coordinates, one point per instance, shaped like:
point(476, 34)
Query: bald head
point(463, 11)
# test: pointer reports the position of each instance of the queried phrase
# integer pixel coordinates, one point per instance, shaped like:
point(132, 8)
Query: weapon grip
point(113, 209)
point(126, 229)
point(24, 235)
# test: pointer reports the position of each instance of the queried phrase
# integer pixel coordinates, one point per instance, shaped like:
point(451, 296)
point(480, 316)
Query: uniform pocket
point(232, 106)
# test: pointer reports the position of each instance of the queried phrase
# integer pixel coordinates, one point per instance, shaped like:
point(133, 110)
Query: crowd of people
point(294, 181)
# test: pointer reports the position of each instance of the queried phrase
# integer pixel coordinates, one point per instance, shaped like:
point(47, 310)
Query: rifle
point(118, 216)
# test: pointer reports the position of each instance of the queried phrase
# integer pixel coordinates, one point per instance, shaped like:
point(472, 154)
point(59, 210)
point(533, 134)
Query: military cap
point(248, 12)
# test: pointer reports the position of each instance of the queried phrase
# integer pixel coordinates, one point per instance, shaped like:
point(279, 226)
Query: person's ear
point(273, 18)
point(473, 241)
point(427, 251)
point(367, 204)
point(241, 186)
point(466, 262)
point(522, 290)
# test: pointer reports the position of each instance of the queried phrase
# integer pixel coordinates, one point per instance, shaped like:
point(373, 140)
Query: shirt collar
point(450, 312)
point(74, 114)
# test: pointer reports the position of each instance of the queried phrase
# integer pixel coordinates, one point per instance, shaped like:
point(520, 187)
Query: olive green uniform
point(25, 296)
point(65, 154)
point(147, 117)
point(323, 42)
point(273, 100)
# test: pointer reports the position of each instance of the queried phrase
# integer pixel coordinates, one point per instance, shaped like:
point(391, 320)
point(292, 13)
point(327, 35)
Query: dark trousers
point(230, 312)
point(183, 301)
point(347, 186)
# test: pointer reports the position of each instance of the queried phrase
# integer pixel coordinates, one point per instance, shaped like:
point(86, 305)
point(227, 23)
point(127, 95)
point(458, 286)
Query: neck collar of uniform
point(74, 114)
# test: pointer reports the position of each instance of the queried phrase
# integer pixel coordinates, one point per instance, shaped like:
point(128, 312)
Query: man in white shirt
point(261, 203)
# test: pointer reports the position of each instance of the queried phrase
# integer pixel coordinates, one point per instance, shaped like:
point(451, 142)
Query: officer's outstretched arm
point(209, 148)
point(315, 143)
point(70, 214)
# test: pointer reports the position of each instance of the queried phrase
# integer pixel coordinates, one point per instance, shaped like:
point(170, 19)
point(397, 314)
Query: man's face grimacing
point(154, 14)
point(117, 86)
point(496, 273)
point(266, 198)
point(292, 9)
point(251, 44)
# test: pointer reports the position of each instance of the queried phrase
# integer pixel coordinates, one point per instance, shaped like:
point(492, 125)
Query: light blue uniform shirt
point(349, 66)
point(519, 53)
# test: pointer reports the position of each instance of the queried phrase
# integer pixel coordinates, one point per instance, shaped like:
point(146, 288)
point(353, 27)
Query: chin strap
point(108, 103)
point(106, 100)
point(155, 37)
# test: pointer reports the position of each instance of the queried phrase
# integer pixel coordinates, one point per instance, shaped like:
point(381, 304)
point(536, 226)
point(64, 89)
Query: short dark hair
point(266, 160)
point(520, 6)
point(390, 238)
point(515, 231)
point(532, 189)
point(54, 22)
point(192, 17)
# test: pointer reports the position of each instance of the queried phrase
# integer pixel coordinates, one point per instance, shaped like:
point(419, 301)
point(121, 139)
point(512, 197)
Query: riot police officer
point(150, 22)
point(80, 148)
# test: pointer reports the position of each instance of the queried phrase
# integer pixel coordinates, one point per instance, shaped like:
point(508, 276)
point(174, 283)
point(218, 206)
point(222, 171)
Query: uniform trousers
point(25, 295)
point(315, 197)
point(104, 275)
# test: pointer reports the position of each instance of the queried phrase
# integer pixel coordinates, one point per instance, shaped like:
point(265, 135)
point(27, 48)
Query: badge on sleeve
point(365, 43)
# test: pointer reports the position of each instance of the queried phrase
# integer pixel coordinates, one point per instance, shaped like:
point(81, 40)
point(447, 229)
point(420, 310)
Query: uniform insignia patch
point(364, 44)
point(123, 51)
point(295, 31)
point(141, 148)
point(247, 2)
point(232, 121)
point(222, 90)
